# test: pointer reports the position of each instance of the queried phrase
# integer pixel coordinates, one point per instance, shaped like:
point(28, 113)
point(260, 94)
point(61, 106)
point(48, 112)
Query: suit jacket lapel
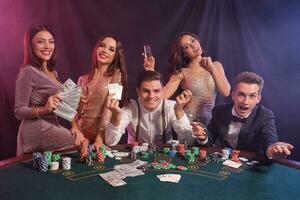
point(226, 121)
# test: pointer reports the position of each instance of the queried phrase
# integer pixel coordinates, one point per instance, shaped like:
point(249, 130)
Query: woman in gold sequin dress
point(108, 66)
point(203, 77)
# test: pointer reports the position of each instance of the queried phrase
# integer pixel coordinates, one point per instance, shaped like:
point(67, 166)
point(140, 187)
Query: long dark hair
point(118, 64)
point(29, 56)
point(177, 60)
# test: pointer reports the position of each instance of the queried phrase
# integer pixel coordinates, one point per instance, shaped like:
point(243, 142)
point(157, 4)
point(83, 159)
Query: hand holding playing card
point(112, 104)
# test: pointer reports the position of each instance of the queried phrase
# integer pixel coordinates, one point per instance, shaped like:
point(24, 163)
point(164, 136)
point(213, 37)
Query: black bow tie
point(237, 119)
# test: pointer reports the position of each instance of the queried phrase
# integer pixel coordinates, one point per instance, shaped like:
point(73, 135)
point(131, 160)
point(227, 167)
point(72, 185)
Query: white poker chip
point(118, 158)
point(249, 163)
point(255, 161)
point(114, 150)
point(243, 159)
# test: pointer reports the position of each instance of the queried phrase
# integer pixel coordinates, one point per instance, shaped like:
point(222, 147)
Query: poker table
point(208, 179)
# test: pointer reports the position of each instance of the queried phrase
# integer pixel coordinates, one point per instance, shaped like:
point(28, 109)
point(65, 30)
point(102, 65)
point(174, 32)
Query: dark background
point(262, 36)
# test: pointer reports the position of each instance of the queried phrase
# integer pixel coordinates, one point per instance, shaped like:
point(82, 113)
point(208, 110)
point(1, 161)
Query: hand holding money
point(52, 103)
point(70, 97)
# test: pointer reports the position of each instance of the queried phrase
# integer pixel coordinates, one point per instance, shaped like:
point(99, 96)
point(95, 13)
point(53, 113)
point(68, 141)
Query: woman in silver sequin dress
point(203, 77)
point(36, 97)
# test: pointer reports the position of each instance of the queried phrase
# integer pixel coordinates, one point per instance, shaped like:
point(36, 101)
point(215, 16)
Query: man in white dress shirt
point(150, 118)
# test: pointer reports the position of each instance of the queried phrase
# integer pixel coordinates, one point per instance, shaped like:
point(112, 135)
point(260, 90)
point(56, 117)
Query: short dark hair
point(250, 78)
point(29, 56)
point(149, 76)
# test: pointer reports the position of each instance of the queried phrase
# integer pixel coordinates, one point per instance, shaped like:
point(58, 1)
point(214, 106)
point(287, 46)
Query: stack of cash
point(70, 97)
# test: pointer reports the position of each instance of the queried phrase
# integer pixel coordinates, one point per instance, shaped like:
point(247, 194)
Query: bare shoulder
point(179, 75)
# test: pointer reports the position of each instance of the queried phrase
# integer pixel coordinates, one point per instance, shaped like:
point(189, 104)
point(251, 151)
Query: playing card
point(173, 178)
point(122, 171)
point(116, 89)
point(232, 164)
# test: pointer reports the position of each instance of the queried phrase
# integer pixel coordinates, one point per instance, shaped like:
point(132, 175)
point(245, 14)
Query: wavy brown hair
point(29, 56)
point(177, 60)
point(118, 64)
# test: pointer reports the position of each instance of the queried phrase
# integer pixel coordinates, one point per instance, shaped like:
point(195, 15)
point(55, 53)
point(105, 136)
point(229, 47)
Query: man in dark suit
point(245, 124)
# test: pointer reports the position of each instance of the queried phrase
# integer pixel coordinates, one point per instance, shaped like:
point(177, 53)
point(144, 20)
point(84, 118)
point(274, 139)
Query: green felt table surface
point(212, 181)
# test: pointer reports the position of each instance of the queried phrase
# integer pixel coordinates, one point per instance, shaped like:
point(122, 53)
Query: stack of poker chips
point(36, 158)
point(166, 150)
point(172, 153)
point(84, 151)
point(132, 155)
point(54, 165)
point(48, 155)
point(202, 154)
point(173, 144)
point(100, 156)
point(88, 155)
point(181, 149)
point(235, 156)
point(195, 151)
point(152, 148)
point(189, 156)
point(55, 157)
point(42, 162)
point(66, 163)
point(89, 160)
point(145, 147)
point(226, 153)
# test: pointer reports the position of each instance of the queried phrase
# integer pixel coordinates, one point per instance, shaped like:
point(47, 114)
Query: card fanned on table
point(70, 95)
point(120, 172)
point(173, 178)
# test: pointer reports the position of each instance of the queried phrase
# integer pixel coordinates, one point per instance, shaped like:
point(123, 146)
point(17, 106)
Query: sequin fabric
point(203, 89)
